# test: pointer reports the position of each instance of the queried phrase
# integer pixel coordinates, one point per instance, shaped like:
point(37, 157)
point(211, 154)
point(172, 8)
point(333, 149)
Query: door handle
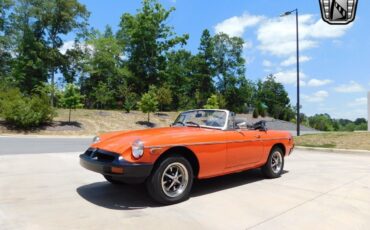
point(258, 136)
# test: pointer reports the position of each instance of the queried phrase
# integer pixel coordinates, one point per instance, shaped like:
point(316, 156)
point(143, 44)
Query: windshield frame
point(224, 127)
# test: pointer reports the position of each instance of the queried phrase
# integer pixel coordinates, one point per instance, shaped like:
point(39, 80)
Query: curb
point(333, 150)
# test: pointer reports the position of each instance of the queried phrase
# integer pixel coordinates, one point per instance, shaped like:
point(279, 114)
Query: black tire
point(154, 181)
point(112, 181)
point(271, 171)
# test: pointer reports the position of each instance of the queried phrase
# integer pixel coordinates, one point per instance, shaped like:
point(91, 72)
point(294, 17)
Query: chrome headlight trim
point(96, 139)
point(137, 149)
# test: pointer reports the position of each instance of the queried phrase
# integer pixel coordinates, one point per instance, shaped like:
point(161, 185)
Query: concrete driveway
point(317, 191)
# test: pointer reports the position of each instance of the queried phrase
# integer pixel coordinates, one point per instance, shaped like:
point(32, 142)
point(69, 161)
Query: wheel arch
point(184, 152)
point(281, 146)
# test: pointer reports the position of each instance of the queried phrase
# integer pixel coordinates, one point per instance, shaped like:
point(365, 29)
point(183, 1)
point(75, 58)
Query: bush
point(25, 112)
point(255, 113)
point(263, 113)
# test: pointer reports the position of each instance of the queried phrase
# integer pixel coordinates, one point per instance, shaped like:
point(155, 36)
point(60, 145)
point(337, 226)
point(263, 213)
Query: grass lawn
point(340, 140)
point(92, 122)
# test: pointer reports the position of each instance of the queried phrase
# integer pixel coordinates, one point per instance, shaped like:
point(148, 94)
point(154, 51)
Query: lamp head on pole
point(285, 14)
point(288, 13)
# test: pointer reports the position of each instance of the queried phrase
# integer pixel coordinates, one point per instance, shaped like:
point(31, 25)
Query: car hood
point(122, 140)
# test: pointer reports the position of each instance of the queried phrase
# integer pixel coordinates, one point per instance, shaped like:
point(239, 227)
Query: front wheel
point(275, 163)
point(171, 181)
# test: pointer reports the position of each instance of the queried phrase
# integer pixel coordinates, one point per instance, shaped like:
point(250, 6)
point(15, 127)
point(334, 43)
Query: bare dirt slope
point(91, 122)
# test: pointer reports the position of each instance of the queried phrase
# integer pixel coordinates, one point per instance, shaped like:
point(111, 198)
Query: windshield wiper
point(179, 122)
point(192, 123)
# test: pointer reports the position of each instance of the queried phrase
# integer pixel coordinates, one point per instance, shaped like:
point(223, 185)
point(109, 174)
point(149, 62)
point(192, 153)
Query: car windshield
point(202, 118)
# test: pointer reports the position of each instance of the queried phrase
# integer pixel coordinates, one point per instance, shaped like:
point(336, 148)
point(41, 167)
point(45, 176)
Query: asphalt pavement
point(318, 190)
point(40, 144)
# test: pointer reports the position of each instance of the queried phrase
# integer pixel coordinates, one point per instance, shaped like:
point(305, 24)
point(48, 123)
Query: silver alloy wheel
point(276, 162)
point(175, 179)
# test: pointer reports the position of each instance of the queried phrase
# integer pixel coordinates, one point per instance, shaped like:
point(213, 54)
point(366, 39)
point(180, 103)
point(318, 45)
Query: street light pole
point(297, 37)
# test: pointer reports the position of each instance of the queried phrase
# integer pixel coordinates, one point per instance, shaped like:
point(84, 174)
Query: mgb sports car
point(200, 144)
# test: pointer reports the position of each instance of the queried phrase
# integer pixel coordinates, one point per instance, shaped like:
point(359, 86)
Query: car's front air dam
point(121, 170)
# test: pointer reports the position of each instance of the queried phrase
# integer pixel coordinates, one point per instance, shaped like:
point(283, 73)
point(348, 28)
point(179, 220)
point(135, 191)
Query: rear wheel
point(171, 181)
point(112, 180)
point(275, 163)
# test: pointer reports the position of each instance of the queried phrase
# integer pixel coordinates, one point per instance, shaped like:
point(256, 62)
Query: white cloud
point(266, 63)
point(236, 26)
point(290, 77)
point(293, 60)
point(277, 35)
point(351, 87)
point(321, 29)
point(247, 45)
point(317, 82)
point(361, 101)
point(318, 96)
point(66, 46)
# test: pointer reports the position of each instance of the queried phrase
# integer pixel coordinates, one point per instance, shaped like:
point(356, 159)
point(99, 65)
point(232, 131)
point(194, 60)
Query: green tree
point(359, 121)
point(5, 39)
point(29, 68)
point(38, 28)
point(164, 96)
point(129, 97)
point(148, 104)
point(321, 122)
point(58, 18)
point(71, 98)
point(103, 95)
point(46, 89)
point(212, 102)
point(275, 97)
point(202, 65)
point(104, 65)
point(221, 101)
point(147, 38)
point(179, 78)
point(229, 69)
point(130, 102)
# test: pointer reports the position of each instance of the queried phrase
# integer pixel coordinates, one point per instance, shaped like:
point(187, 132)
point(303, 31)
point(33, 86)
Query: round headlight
point(96, 139)
point(137, 149)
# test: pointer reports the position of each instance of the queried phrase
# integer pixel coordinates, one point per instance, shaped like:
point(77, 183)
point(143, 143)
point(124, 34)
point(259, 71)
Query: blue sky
point(334, 59)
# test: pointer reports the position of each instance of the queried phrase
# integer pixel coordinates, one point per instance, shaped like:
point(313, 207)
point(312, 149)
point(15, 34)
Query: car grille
point(101, 155)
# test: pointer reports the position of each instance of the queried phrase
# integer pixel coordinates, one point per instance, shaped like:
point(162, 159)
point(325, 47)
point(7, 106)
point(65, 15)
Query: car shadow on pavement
point(132, 197)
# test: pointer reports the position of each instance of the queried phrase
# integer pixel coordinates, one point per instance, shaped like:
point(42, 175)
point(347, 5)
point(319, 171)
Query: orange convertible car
point(199, 144)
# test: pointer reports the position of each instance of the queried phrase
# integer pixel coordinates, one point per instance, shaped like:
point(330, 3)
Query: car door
point(244, 147)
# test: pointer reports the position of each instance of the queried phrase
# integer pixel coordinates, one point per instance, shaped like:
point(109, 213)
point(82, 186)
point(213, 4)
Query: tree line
point(324, 122)
point(143, 65)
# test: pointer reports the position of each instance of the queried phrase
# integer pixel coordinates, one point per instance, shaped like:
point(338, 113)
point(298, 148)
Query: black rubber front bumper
point(109, 164)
